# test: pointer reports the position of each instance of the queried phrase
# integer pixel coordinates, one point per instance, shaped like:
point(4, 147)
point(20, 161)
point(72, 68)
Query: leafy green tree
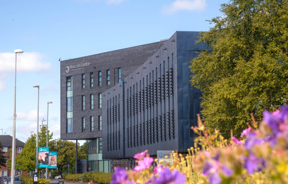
point(26, 161)
point(2, 158)
point(245, 67)
point(66, 154)
point(83, 151)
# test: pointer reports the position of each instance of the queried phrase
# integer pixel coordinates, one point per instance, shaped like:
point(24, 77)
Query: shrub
point(72, 177)
point(29, 180)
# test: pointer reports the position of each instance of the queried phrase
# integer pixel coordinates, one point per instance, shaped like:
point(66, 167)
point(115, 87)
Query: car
point(58, 177)
point(17, 180)
point(2, 180)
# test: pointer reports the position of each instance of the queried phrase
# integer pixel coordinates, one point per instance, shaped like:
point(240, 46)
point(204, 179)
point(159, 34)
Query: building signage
point(43, 157)
point(164, 155)
point(53, 160)
point(79, 66)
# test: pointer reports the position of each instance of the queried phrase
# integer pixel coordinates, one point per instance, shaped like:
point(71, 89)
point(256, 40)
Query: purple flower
point(140, 155)
point(158, 169)
point(168, 177)
point(236, 141)
point(246, 132)
point(252, 140)
point(120, 176)
point(213, 168)
point(144, 164)
point(252, 164)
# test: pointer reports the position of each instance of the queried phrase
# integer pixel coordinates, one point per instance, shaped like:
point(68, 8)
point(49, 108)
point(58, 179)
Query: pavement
point(68, 182)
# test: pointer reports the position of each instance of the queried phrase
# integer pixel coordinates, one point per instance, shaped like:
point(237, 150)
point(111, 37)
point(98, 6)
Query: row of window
point(108, 78)
point(5, 149)
point(92, 101)
point(92, 123)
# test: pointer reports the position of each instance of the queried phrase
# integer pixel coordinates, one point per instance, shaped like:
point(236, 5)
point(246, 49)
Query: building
point(153, 107)
point(6, 141)
point(141, 94)
point(83, 80)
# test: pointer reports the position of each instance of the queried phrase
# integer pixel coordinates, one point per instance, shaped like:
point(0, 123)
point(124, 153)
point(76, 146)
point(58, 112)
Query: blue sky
point(62, 29)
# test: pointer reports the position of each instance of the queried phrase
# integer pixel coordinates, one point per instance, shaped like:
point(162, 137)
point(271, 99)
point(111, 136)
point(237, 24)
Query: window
point(91, 80)
point(83, 102)
point(83, 81)
point(99, 122)
point(119, 75)
point(99, 78)
point(99, 100)
point(91, 101)
point(108, 77)
point(83, 124)
point(69, 104)
point(5, 149)
point(19, 149)
point(91, 123)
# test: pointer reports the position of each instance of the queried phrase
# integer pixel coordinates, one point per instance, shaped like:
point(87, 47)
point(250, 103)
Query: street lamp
point(14, 122)
point(36, 169)
point(47, 141)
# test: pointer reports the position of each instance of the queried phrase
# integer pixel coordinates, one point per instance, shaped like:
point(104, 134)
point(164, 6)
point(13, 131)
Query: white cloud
point(114, 1)
point(26, 62)
point(187, 5)
point(30, 116)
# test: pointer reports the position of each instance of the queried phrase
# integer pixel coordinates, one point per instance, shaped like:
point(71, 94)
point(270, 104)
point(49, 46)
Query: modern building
point(6, 141)
point(83, 80)
point(141, 97)
point(155, 106)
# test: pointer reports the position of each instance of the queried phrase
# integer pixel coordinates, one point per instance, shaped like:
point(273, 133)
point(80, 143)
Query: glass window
point(69, 125)
point(5, 149)
point(83, 124)
point(108, 76)
point(99, 78)
point(99, 100)
point(119, 75)
point(19, 149)
point(99, 122)
point(91, 123)
point(83, 102)
point(83, 81)
point(91, 101)
point(69, 104)
point(91, 80)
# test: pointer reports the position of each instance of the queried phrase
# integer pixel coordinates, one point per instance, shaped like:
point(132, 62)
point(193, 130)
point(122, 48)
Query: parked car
point(2, 180)
point(58, 177)
point(17, 180)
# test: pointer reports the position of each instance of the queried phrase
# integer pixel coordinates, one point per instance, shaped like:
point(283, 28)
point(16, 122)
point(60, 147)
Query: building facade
point(154, 106)
point(6, 141)
point(83, 80)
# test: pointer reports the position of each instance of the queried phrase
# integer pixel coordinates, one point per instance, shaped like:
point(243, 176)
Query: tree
point(26, 161)
point(2, 158)
point(83, 151)
point(244, 69)
point(66, 155)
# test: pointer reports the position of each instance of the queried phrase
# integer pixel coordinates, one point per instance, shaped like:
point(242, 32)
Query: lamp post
point(36, 169)
point(47, 136)
point(14, 122)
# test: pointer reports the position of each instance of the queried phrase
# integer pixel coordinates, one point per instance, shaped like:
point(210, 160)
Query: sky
point(52, 30)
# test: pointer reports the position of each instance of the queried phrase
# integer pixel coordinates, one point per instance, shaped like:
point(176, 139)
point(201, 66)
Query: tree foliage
point(26, 161)
point(2, 158)
point(66, 154)
point(245, 67)
point(83, 151)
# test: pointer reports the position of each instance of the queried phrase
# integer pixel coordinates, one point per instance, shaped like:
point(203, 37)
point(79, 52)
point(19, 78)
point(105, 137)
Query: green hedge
point(72, 177)
point(29, 180)
point(97, 177)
